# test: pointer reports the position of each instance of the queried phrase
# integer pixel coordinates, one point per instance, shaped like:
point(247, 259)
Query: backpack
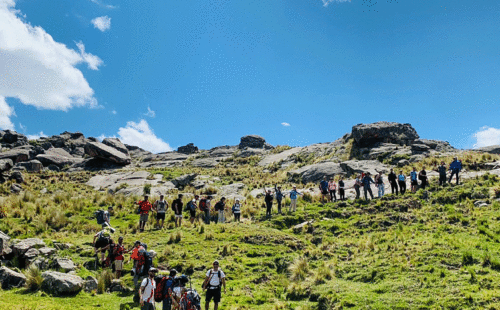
point(163, 283)
point(102, 241)
point(206, 283)
point(203, 204)
point(189, 206)
point(99, 215)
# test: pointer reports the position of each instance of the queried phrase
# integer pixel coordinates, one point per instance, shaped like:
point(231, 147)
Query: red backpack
point(160, 286)
point(203, 204)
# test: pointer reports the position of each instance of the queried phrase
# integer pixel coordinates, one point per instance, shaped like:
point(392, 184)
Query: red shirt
point(145, 206)
point(119, 252)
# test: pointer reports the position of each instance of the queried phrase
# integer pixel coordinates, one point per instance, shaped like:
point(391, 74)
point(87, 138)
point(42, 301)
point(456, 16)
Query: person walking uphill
point(269, 202)
point(177, 207)
point(214, 280)
point(293, 199)
point(144, 208)
point(147, 290)
point(367, 180)
point(455, 168)
point(279, 196)
point(392, 180)
point(160, 206)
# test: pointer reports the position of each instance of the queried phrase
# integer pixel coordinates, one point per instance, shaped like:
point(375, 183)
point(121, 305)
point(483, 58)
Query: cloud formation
point(327, 2)
point(285, 124)
point(487, 136)
point(102, 23)
point(38, 70)
point(36, 136)
point(107, 6)
point(141, 135)
point(6, 112)
point(150, 113)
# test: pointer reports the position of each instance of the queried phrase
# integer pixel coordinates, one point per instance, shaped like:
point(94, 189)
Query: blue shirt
point(413, 175)
point(293, 194)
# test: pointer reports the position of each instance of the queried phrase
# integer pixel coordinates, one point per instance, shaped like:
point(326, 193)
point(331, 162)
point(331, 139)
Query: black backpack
point(99, 215)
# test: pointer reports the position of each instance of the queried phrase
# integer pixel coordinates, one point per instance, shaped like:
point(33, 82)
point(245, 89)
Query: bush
point(33, 278)
point(104, 280)
point(467, 258)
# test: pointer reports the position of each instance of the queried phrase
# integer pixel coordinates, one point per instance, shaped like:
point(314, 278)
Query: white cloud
point(487, 136)
point(38, 70)
point(6, 112)
point(36, 136)
point(113, 112)
point(141, 135)
point(327, 2)
point(285, 124)
point(107, 6)
point(23, 128)
point(102, 23)
point(150, 113)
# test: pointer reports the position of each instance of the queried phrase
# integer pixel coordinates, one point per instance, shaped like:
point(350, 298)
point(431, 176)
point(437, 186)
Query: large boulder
point(117, 144)
point(188, 149)
point(4, 242)
point(252, 141)
point(10, 278)
point(6, 164)
point(205, 162)
point(58, 157)
point(90, 284)
point(11, 137)
point(58, 283)
point(232, 191)
point(315, 172)
point(184, 180)
point(280, 157)
point(31, 166)
point(65, 264)
point(359, 166)
point(17, 155)
point(22, 246)
point(388, 132)
point(100, 150)
point(492, 149)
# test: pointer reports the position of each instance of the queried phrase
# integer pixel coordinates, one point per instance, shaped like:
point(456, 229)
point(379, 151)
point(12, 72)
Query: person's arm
point(93, 241)
point(223, 280)
point(141, 289)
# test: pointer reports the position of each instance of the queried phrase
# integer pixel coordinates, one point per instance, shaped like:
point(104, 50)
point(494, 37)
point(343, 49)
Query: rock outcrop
point(10, 278)
point(6, 164)
point(102, 151)
point(116, 144)
point(369, 134)
point(315, 172)
point(16, 155)
point(190, 148)
point(58, 157)
point(492, 149)
point(58, 283)
point(253, 141)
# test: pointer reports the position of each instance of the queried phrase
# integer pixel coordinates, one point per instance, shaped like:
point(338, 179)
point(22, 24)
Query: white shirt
point(214, 280)
point(149, 290)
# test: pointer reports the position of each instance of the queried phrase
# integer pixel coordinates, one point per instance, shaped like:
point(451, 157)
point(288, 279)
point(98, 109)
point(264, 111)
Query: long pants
point(207, 216)
point(269, 207)
point(423, 184)
point(237, 217)
point(279, 205)
point(167, 303)
point(442, 179)
point(358, 193)
point(333, 196)
point(402, 187)
point(221, 219)
point(453, 172)
point(293, 205)
point(368, 190)
point(380, 190)
point(341, 194)
point(394, 187)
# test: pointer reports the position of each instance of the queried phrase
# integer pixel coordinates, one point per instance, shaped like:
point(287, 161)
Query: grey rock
point(117, 286)
point(258, 192)
point(31, 253)
point(403, 162)
point(10, 278)
point(117, 144)
point(22, 246)
point(357, 167)
point(99, 150)
point(184, 180)
point(252, 141)
point(492, 149)
point(315, 172)
point(231, 191)
point(198, 184)
point(58, 283)
point(11, 137)
point(280, 157)
point(136, 152)
point(32, 165)
point(41, 263)
point(205, 162)
point(65, 264)
point(480, 203)
point(78, 152)
point(90, 284)
point(4, 242)
point(247, 152)
point(47, 145)
point(419, 148)
point(43, 190)
point(58, 157)
point(416, 158)
point(6, 164)
point(299, 226)
point(16, 156)
point(53, 167)
point(46, 251)
point(17, 176)
point(369, 134)
point(15, 188)
point(222, 151)
point(190, 148)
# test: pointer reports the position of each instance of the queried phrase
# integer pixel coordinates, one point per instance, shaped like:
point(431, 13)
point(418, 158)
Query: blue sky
point(160, 74)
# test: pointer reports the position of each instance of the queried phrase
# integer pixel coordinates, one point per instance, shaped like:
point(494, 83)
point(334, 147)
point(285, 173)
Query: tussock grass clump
point(33, 278)
point(104, 280)
point(299, 269)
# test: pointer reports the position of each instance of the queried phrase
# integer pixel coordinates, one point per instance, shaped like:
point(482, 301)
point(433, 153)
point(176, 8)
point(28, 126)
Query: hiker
point(237, 210)
point(367, 180)
point(341, 188)
point(293, 198)
point(160, 207)
point(179, 289)
point(147, 290)
point(269, 202)
point(323, 187)
point(192, 208)
point(205, 208)
point(357, 185)
point(413, 180)
point(214, 280)
point(422, 176)
point(442, 174)
point(118, 251)
point(380, 184)
point(106, 216)
point(402, 182)
point(279, 196)
point(177, 208)
point(332, 188)
point(168, 291)
point(138, 258)
point(220, 206)
point(144, 208)
point(393, 181)
point(455, 168)
point(101, 240)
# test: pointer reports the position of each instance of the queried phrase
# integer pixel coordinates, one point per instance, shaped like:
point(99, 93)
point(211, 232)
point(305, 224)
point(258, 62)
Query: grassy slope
point(393, 253)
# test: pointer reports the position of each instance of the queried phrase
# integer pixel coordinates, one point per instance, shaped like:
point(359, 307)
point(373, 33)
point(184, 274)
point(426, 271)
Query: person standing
point(442, 174)
point(205, 208)
point(145, 207)
point(237, 210)
point(192, 206)
point(332, 188)
point(323, 187)
point(160, 206)
point(357, 185)
point(118, 251)
point(455, 168)
point(215, 279)
point(177, 207)
point(293, 199)
point(269, 202)
point(402, 182)
point(341, 188)
point(413, 180)
point(107, 217)
point(393, 181)
point(147, 290)
point(219, 207)
point(279, 196)
point(380, 184)
point(422, 176)
point(367, 180)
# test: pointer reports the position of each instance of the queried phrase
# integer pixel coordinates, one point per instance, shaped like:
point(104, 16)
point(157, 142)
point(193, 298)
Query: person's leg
point(370, 191)
point(357, 192)
point(216, 305)
point(279, 206)
point(294, 203)
point(457, 176)
point(365, 190)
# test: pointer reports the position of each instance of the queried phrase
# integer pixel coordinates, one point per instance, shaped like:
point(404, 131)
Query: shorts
point(324, 192)
point(213, 293)
point(178, 216)
point(160, 216)
point(414, 182)
point(118, 265)
point(144, 217)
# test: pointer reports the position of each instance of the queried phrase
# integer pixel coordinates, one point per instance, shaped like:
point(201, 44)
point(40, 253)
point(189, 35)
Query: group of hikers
point(170, 290)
